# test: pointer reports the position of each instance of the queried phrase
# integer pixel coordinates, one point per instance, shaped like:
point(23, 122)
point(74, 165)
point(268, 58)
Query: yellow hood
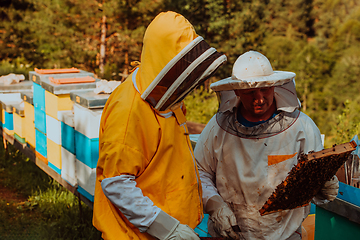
point(164, 38)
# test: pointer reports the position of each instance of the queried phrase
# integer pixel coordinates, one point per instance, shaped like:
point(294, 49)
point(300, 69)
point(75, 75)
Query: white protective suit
point(245, 164)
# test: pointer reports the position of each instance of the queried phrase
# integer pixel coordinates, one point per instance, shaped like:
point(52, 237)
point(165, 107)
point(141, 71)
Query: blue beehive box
point(40, 120)
point(87, 149)
point(9, 121)
point(85, 193)
point(41, 143)
point(86, 178)
point(68, 137)
point(38, 97)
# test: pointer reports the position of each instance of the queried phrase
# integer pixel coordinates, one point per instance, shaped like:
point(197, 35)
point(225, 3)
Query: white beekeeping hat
point(253, 70)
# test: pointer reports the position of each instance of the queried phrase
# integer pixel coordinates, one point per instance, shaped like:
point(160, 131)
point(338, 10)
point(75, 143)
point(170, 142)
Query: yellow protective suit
point(153, 146)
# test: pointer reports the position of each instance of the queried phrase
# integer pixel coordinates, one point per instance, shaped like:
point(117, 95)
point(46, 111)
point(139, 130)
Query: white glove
point(328, 193)
point(104, 86)
point(183, 232)
point(330, 189)
point(165, 227)
point(222, 217)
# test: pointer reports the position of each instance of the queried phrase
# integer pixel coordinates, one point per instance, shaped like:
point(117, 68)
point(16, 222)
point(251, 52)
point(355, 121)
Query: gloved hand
point(328, 193)
point(330, 189)
point(165, 227)
point(183, 232)
point(222, 217)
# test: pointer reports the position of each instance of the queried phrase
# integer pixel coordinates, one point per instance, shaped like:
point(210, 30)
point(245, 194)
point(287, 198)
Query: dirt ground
point(10, 196)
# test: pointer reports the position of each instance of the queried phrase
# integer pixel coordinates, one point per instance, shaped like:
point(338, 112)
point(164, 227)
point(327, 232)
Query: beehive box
point(59, 89)
point(87, 121)
point(67, 130)
point(87, 124)
point(54, 156)
point(7, 101)
point(53, 134)
point(2, 116)
point(19, 122)
point(39, 75)
point(29, 130)
point(89, 99)
point(68, 166)
point(55, 103)
point(17, 87)
point(27, 97)
point(87, 149)
point(40, 120)
point(86, 178)
point(68, 158)
point(38, 97)
point(307, 178)
point(41, 145)
point(53, 129)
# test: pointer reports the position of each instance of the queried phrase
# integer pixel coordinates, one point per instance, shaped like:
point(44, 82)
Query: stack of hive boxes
point(88, 108)
point(68, 159)
point(7, 101)
point(52, 94)
point(10, 98)
point(58, 118)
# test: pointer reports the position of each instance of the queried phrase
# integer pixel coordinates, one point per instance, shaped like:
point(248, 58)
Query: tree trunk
point(102, 46)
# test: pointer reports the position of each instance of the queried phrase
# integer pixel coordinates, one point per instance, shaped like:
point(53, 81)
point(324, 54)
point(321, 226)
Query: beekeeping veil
point(174, 61)
point(253, 70)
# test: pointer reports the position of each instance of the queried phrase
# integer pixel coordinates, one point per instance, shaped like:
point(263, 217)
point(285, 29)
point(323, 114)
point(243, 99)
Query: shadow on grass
point(43, 208)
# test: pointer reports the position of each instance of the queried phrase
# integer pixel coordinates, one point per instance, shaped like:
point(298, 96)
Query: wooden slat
point(335, 150)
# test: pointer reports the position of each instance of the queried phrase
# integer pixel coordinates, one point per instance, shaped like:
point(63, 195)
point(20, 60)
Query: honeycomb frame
point(307, 178)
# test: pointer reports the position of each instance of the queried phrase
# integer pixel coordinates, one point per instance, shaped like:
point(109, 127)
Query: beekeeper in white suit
point(249, 147)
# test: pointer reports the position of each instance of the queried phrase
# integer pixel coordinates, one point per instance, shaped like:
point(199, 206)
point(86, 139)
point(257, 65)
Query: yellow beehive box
point(29, 112)
point(55, 103)
point(29, 132)
point(2, 119)
point(19, 125)
point(29, 129)
point(8, 132)
point(54, 155)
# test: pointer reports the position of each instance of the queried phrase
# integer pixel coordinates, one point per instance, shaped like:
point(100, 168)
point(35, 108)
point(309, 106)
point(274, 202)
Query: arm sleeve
point(206, 163)
point(129, 199)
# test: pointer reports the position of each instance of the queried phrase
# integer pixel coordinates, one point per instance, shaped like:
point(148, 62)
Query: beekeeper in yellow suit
point(249, 147)
point(147, 182)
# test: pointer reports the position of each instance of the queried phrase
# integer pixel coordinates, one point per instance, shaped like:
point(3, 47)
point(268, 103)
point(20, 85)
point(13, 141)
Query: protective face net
point(188, 69)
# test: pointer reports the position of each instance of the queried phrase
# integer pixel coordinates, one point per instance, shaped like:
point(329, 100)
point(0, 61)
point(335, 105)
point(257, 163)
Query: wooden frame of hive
point(307, 178)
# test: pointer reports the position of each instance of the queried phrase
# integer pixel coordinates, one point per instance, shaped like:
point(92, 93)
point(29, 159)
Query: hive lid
point(18, 108)
point(307, 178)
point(59, 89)
point(16, 87)
point(89, 99)
point(27, 97)
point(7, 101)
point(67, 117)
point(37, 77)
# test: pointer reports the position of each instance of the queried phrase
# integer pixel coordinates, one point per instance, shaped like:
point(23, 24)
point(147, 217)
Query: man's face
point(257, 103)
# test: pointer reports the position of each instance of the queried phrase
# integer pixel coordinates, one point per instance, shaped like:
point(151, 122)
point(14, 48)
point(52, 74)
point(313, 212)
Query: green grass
point(49, 211)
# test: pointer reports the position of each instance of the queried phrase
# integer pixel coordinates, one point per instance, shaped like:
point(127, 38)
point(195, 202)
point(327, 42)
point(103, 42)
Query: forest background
point(319, 40)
